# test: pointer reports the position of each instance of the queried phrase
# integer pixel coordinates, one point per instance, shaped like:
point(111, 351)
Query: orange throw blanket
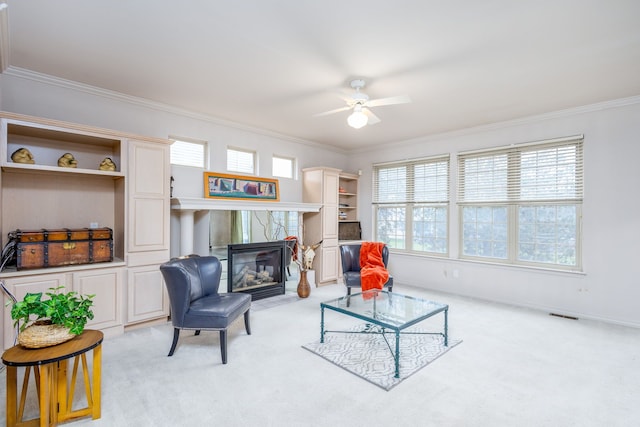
point(373, 274)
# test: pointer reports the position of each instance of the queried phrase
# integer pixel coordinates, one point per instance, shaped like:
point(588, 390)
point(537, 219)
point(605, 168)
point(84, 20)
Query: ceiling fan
point(360, 103)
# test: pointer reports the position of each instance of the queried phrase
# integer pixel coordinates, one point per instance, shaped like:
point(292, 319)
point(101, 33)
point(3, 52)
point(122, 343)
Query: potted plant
point(45, 322)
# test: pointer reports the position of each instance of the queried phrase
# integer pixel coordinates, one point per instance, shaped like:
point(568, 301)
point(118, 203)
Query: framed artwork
point(240, 187)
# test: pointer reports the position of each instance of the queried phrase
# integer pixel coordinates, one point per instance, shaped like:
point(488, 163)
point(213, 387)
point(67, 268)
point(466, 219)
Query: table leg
point(61, 394)
point(446, 327)
point(321, 324)
point(397, 356)
point(12, 396)
point(45, 394)
point(97, 379)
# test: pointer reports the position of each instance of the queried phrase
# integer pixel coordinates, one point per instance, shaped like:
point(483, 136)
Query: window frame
point(254, 159)
point(438, 198)
point(292, 166)
point(205, 151)
point(514, 199)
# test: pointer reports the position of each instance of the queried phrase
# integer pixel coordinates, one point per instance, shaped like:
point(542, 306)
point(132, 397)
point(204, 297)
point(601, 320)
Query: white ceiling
point(273, 64)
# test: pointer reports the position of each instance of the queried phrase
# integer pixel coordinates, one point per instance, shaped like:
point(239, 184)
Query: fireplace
point(256, 268)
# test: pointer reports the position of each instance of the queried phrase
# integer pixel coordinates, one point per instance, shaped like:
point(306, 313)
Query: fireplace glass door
point(257, 269)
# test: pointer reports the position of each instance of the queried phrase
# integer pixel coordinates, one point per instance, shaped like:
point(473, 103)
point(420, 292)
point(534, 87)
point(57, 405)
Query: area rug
point(368, 355)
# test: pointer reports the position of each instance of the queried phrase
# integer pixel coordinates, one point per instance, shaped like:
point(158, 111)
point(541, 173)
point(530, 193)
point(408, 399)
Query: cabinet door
point(19, 287)
point(330, 188)
point(106, 285)
point(329, 222)
point(149, 175)
point(328, 264)
point(147, 297)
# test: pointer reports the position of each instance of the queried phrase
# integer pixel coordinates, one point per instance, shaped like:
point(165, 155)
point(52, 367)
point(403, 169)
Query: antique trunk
point(54, 248)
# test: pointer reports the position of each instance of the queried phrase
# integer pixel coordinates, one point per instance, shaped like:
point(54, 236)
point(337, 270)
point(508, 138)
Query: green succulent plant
point(69, 309)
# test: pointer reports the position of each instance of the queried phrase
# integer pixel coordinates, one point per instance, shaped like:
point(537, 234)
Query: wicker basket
point(44, 334)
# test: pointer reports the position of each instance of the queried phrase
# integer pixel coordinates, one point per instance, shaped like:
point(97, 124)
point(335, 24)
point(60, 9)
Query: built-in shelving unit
point(337, 192)
point(347, 197)
point(132, 200)
point(45, 195)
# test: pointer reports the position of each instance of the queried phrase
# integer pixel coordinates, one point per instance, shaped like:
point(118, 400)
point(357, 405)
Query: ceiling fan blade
point(337, 110)
point(402, 99)
point(373, 119)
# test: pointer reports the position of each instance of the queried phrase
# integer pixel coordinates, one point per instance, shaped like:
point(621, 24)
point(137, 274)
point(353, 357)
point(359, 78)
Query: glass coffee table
point(386, 312)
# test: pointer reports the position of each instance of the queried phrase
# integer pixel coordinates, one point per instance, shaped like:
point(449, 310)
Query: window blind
point(188, 153)
point(413, 181)
point(241, 161)
point(538, 172)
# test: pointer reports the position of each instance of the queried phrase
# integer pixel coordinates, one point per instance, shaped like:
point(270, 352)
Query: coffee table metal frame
point(376, 307)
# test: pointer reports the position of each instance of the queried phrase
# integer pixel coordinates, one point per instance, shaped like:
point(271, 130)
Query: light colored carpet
point(367, 355)
point(516, 367)
point(286, 298)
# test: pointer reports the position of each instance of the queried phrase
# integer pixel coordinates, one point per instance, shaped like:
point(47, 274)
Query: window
point(242, 161)
point(245, 219)
point(283, 224)
point(411, 203)
point(522, 204)
point(188, 153)
point(283, 167)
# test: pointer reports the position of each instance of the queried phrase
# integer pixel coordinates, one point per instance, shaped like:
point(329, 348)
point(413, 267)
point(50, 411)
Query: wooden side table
point(55, 392)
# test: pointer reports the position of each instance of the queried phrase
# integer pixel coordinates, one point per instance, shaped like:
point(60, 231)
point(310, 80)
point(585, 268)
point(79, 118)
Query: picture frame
point(240, 187)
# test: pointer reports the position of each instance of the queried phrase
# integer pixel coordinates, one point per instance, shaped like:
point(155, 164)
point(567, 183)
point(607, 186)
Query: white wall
point(609, 289)
point(51, 98)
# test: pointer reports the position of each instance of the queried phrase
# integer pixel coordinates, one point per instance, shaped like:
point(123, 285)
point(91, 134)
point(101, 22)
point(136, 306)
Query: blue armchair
point(350, 256)
point(192, 284)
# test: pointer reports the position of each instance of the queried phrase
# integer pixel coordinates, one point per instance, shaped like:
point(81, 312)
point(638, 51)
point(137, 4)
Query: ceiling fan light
point(357, 120)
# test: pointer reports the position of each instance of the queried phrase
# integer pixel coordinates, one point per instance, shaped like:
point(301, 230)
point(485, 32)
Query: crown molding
point(154, 105)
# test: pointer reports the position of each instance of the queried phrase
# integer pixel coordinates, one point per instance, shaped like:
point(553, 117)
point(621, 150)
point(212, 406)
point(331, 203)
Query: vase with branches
point(305, 263)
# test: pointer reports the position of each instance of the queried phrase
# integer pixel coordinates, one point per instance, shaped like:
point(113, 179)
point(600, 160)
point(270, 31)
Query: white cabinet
point(146, 294)
point(132, 200)
point(148, 177)
point(104, 283)
point(333, 189)
point(148, 230)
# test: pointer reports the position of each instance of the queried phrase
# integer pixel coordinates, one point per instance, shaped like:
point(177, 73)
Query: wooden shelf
point(12, 272)
point(44, 169)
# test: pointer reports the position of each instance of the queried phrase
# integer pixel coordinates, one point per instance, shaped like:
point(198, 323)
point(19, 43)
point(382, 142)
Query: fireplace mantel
point(187, 207)
point(199, 204)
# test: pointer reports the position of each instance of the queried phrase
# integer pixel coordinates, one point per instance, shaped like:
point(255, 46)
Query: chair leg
point(247, 324)
point(176, 334)
point(223, 346)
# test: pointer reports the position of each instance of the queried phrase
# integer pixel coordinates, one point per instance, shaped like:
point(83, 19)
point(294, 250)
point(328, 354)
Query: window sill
point(446, 258)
